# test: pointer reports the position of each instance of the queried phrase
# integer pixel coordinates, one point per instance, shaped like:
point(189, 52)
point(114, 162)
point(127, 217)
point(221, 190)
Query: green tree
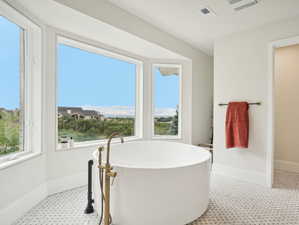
point(175, 124)
point(92, 129)
point(9, 132)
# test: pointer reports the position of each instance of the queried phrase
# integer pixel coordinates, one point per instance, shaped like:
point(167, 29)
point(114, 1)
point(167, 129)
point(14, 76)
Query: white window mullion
point(147, 101)
point(139, 101)
point(22, 88)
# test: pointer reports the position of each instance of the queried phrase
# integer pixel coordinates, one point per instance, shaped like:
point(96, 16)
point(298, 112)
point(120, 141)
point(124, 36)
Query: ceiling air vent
point(242, 4)
point(207, 11)
point(234, 1)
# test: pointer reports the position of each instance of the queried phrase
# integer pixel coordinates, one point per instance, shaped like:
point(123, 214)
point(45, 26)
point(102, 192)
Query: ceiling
point(184, 20)
point(70, 21)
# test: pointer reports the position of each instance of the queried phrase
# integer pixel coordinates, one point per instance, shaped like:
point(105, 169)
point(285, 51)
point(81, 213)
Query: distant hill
point(127, 111)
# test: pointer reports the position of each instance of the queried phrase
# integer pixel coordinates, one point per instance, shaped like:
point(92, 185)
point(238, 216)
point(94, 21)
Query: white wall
point(286, 104)
point(241, 73)
point(17, 183)
point(202, 100)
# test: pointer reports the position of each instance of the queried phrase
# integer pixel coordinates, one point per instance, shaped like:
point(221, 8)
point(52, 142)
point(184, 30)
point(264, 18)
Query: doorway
point(285, 169)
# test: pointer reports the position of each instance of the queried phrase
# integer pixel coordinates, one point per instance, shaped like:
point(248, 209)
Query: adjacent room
point(162, 112)
point(286, 93)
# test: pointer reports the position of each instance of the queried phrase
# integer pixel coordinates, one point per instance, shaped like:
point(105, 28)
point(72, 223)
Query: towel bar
point(251, 103)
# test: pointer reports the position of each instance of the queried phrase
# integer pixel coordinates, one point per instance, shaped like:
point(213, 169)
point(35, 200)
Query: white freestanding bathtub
point(158, 183)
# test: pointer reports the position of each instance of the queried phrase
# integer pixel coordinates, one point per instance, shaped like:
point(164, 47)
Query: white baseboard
point(286, 166)
point(19, 207)
point(240, 174)
point(66, 183)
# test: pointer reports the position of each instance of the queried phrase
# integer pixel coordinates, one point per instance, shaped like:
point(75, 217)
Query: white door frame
point(271, 112)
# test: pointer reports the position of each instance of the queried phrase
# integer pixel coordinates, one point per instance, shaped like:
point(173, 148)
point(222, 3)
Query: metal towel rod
point(251, 103)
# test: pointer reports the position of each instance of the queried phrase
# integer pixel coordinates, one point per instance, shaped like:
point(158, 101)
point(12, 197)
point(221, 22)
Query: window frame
point(180, 107)
point(31, 75)
point(89, 46)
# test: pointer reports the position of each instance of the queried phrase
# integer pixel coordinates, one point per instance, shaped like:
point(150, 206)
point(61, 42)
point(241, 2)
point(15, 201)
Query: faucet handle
point(112, 181)
point(113, 175)
point(101, 148)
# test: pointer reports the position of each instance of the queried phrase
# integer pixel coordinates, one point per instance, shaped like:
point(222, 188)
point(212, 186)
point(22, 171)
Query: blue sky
point(90, 79)
point(84, 78)
point(166, 90)
point(9, 64)
point(95, 80)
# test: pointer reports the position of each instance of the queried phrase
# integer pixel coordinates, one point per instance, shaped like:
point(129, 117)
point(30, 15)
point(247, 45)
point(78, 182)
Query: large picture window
point(166, 100)
point(11, 87)
point(97, 94)
point(20, 87)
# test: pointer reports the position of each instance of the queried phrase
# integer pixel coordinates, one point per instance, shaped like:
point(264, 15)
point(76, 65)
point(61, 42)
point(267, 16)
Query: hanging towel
point(237, 125)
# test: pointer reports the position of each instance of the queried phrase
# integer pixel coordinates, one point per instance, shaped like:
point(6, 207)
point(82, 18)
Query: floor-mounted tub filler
point(157, 182)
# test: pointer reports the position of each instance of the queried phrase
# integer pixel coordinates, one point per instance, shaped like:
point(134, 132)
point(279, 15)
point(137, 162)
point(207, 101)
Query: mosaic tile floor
point(232, 202)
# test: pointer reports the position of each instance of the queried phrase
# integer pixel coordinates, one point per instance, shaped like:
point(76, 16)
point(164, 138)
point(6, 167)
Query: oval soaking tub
point(158, 182)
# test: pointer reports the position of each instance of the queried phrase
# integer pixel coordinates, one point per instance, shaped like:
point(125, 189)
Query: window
point(166, 104)
point(97, 94)
point(11, 86)
point(20, 86)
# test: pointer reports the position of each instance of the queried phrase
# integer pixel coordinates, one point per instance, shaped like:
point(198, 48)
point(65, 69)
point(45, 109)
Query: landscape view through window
point(10, 94)
point(96, 96)
point(166, 100)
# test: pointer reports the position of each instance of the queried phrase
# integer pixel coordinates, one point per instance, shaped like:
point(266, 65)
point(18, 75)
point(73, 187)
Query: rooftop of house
point(77, 110)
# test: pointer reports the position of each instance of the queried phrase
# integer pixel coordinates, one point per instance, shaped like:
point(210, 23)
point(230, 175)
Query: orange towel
point(237, 125)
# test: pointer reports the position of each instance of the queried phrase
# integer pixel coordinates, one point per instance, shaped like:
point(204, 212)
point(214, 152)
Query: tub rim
point(207, 157)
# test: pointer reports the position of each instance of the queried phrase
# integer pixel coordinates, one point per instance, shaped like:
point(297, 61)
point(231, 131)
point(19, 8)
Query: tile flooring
point(233, 202)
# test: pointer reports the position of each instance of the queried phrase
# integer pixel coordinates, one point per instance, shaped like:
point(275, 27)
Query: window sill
point(8, 161)
point(166, 137)
point(95, 144)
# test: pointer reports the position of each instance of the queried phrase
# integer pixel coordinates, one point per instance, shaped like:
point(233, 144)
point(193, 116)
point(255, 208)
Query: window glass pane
point(96, 96)
point(10, 88)
point(166, 97)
